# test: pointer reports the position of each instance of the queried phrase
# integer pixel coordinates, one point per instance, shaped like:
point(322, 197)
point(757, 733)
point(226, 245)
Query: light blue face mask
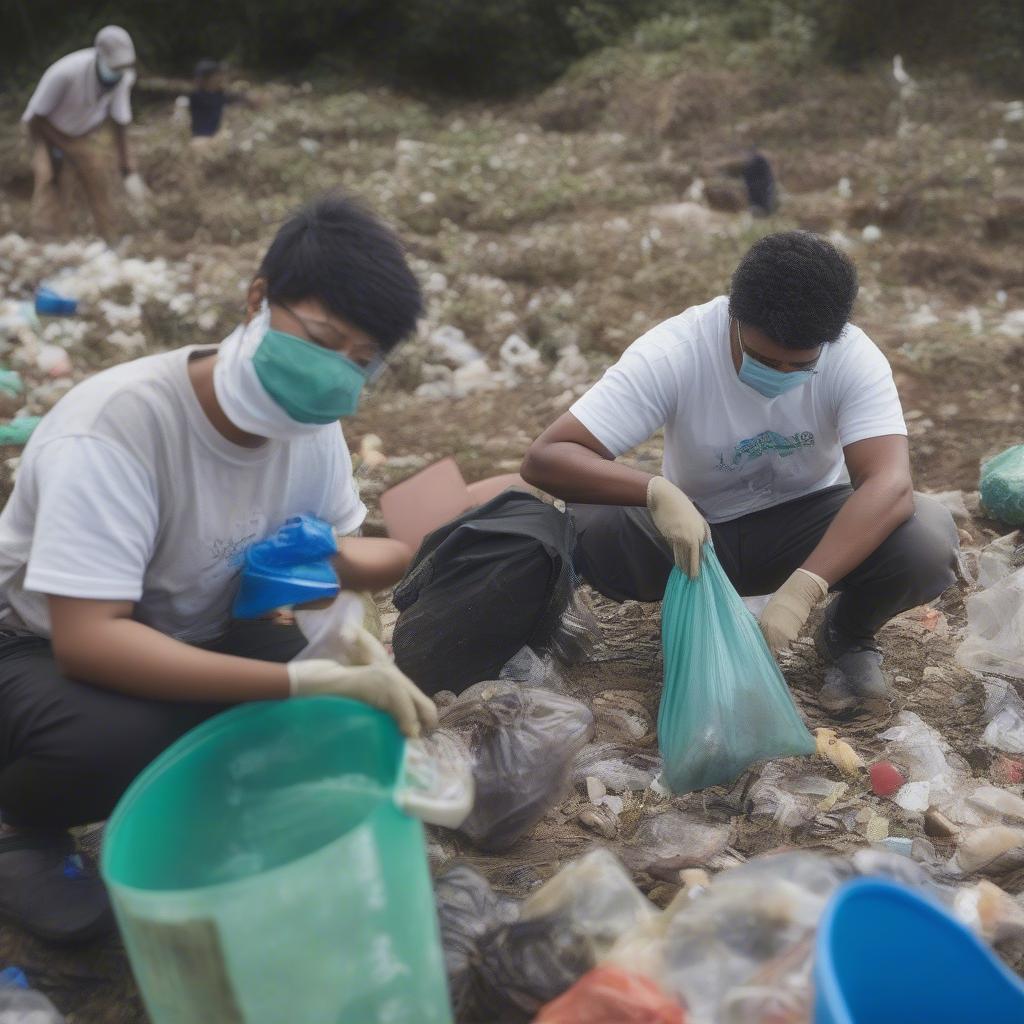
point(105, 73)
point(766, 380)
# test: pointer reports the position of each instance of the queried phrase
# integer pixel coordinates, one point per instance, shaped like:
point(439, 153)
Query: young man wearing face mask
point(784, 444)
point(118, 548)
point(74, 98)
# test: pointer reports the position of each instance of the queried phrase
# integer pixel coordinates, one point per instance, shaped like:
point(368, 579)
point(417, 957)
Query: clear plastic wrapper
point(467, 909)
point(521, 742)
point(565, 928)
point(724, 704)
point(995, 629)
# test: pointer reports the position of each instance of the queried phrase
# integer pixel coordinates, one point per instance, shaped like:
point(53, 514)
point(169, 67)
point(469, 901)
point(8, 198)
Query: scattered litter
point(620, 769)
point(564, 929)
point(516, 354)
point(936, 824)
point(669, 841)
point(994, 849)
point(901, 845)
point(610, 995)
point(997, 560)
point(935, 773)
point(839, 752)
point(450, 344)
point(791, 800)
point(886, 778)
point(467, 909)
point(995, 629)
point(871, 233)
point(522, 742)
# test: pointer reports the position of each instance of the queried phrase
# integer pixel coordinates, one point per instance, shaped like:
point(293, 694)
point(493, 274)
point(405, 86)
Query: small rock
point(937, 825)
point(933, 675)
point(599, 820)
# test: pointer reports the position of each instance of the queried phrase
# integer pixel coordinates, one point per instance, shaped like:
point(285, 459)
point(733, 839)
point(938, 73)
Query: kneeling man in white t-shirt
point(119, 545)
point(784, 444)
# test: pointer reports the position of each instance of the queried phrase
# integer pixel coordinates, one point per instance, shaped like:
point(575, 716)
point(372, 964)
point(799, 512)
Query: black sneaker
point(49, 889)
point(859, 664)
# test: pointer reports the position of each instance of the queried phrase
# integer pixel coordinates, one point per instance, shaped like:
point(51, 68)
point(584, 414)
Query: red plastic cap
point(886, 778)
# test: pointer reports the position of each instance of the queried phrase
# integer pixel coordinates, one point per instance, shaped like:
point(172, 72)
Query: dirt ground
point(580, 218)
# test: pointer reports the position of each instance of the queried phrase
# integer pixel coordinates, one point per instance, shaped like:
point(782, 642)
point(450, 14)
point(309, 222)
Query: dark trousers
point(68, 750)
point(620, 553)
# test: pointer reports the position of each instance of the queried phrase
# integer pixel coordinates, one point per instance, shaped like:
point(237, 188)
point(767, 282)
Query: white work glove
point(372, 678)
point(136, 187)
point(787, 611)
point(679, 522)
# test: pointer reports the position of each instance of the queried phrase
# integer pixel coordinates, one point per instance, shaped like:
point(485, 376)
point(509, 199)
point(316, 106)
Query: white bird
point(899, 73)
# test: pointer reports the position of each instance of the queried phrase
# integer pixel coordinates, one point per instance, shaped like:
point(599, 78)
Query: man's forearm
point(132, 658)
point(574, 473)
point(870, 514)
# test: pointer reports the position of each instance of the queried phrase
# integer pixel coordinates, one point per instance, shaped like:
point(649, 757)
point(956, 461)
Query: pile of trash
point(737, 948)
point(653, 909)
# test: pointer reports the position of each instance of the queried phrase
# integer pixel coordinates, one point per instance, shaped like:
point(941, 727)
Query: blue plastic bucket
point(887, 955)
point(51, 303)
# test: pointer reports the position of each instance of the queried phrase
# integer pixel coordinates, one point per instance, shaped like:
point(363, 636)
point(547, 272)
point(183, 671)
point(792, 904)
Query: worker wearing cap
point(75, 96)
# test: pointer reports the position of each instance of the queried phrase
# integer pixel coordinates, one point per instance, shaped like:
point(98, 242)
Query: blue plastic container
point(887, 955)
point(51, 303)
point(291, 566)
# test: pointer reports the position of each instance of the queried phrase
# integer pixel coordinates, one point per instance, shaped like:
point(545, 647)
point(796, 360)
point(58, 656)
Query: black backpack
point(490, 582)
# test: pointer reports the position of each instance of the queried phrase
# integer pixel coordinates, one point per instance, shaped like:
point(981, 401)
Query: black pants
point(68, 750)
point(620, 553)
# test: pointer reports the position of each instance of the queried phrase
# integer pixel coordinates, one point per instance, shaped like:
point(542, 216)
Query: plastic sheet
point(1002, 486)
point(467, 909)
point(998, 559)
point(725, 704)
point(620, 769)
point(522, 741)
point(995, 629)
point(564, 929)
point(610, 995)
point(935, 773)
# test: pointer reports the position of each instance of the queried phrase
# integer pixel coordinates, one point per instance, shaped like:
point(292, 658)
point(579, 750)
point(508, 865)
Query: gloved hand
point(135, 187)
point(679, 522)
point(372, 678)
point(785, 614)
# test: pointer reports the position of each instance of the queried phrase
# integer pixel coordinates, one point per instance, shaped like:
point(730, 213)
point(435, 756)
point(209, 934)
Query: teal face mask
point(312, 384)
point(106, 74)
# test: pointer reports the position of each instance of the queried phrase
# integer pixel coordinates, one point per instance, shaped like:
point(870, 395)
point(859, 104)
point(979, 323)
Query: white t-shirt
point(127, 492)
point(70, 97)
point(730, 449)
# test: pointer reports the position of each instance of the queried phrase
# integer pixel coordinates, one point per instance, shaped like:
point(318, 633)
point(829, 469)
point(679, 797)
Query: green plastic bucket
point(264, 869)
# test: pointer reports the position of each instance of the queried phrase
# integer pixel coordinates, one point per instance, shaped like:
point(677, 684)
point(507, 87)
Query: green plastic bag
point(724, 704)
point(1002, 486)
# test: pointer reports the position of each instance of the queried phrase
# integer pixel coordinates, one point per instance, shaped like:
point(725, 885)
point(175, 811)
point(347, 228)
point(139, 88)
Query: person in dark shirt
point(762, 193)
point(208, 99)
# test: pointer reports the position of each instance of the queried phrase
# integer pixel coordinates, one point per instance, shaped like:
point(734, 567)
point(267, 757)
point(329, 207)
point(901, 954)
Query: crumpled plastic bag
point(564, 929)
point(610, 995)
point(1002, 486)
point(467, 909)
point(935, 774)
point(995, 629)
point(522, 742)
point(725, 704)
point(327, 628)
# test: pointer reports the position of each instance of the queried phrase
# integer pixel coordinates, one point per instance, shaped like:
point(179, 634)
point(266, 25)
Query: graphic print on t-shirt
point(751, 448)
point(226, 551)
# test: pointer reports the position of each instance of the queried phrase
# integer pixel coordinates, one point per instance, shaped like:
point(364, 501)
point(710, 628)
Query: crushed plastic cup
point(51, 303)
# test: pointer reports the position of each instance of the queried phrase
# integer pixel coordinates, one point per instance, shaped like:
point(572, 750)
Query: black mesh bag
point(481, 587)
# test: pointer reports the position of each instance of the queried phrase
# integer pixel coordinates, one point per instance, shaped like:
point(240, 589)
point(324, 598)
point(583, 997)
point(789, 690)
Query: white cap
point(115, 46)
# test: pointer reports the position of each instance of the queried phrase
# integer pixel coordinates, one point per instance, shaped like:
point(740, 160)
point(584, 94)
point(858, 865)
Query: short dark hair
point(795, 286)
point(336, 251)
